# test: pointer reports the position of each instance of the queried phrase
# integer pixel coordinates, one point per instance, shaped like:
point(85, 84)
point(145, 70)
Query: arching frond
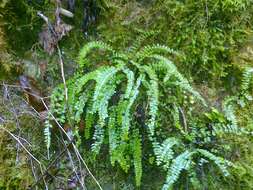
point(153, 95)
point(220, 162)
point(180, 163)
point(150, 50)
point(82, 60)
point(141, 38)
point(125, 108)
point(130, 82)
point(104, 90)
point(164, 153)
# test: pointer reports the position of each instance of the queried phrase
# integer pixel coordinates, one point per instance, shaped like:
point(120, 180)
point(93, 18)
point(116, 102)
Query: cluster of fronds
point(226, 122)
point(231, 103)
point(108, 98)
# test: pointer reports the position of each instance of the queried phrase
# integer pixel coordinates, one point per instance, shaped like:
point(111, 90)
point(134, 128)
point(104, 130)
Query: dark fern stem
point(91, 12)
point(71, 5)
point(140, 115)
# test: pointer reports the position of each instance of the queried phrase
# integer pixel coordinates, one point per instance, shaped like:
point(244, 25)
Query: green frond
point(119, 56)
point(98, 139)
point(89, 122)
point(123, 158)
point(165, 63)
point(104, 90)
point(81, 82)
point(82, 60)
point(79, 107)
point(103, 77)
point(220, 162)
point(58, 109)
point(137, 156)
point(117, 148)
point(113, 137)
point(228, 109)
point(153, 96)
point(229, 129)
point(130, 82)
point(125, 108)
point(246, 78)
point(104, 102)
point(57, 104)
point(141, 38)
point(47, 134)
point(150, 50)
point(180, 163)
point(172, 71)
point(176, 118)
point(164, 153)
point(79, 94)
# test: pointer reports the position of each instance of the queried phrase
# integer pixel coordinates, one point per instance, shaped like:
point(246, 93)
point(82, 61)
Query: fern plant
point(231, 103)
point(121, 96)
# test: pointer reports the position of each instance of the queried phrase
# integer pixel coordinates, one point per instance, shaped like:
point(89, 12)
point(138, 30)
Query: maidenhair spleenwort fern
point(106, 97)
point(184, 161)
point(231, 103)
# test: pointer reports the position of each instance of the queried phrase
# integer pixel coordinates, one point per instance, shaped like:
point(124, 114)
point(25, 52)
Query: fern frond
point(89, 121)
point(229, 129)
point(220, 162)
point(82, 60)
point(116, 56)
point(246, 78)
point(229, 111)
point(117, 148)
point(122, 156)
point(141, 38)
point(137, 156)
point(172, 71)
point(47, 135)
point(98, 138)
point(125, 108)
point(79, 107)
point(164, 153)
point(130, 82)
point(57, 104)
point(180, 163)
point(176, 118)
point(82, 81)
point(113, 137)
point(104, 90)
point(103, 77)
point(150, 50)
point(153, 95)
point(165, 63)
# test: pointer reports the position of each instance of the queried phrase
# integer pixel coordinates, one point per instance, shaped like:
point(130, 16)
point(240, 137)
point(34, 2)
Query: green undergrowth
point(143, 105)
point(208, 33)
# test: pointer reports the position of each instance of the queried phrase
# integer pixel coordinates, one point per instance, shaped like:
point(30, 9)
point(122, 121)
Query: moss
point(7, 65)
point(15, 163)
point(22, 24)
point(206, 33)
point(13, 175)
